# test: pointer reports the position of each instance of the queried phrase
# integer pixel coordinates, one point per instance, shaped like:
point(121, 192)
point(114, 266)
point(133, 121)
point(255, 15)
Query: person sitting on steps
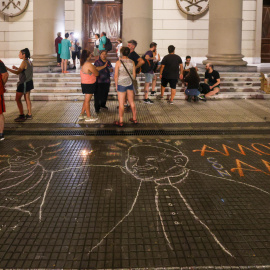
point(212, 78)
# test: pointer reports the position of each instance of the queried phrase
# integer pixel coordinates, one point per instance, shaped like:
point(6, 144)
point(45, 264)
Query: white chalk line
point(40, 179)
point(44, 196)
point(202, 223)
point(19, 208)
point(161, 219)
point(17, 184)
point(12, 178)
point(129, 212)
point(231, 180)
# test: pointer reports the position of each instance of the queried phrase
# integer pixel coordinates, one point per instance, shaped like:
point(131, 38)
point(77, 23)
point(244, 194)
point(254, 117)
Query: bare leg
point(28, 103)
point(146, 90)
point(2, 123)
point(121, 100)
point(154, 82)
point(62, 65)
point(65, 67)
point(173, 92)
point(213, 92)
point(162, 90)
point(83, 108)
point(130, 96)
point(87, 104)
point(19, 102)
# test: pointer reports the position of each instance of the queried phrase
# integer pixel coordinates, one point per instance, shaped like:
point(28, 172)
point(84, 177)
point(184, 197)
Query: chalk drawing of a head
point(22, 161)
point(156, 161)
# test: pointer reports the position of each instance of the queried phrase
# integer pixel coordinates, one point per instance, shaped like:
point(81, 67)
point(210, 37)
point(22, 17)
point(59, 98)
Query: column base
point(225, 60)
point(44, 60)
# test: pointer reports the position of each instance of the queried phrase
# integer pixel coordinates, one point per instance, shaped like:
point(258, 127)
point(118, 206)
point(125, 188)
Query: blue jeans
point(192, 92)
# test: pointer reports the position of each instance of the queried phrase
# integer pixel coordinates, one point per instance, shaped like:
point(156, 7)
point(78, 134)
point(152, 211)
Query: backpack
point(204, 88)
point(108, 45)
point(147, 66)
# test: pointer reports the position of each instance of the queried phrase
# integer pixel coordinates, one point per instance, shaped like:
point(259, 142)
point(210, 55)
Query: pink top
point(88, 78)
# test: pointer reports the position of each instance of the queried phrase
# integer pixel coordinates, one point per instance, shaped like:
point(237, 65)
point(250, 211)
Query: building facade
point(144, 20)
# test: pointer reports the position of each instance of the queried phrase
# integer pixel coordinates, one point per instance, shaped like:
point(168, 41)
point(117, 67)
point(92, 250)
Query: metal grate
point(118, 132)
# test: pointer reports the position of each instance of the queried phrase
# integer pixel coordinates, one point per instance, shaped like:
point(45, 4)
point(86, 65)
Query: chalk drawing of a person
point(155, 174)
point(25, 182)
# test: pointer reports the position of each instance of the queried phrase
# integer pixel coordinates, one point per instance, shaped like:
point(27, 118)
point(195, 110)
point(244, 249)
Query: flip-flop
point(119, 124)
point(133, 121)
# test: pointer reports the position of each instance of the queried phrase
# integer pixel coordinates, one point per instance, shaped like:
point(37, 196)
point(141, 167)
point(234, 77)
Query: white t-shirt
point(119, 46)
point(97, 41)
point(191, 65)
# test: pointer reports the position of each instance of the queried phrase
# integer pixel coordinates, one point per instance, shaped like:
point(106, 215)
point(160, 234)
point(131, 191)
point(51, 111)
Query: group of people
point(96, 79)
point(24, 86)
point(66, 48)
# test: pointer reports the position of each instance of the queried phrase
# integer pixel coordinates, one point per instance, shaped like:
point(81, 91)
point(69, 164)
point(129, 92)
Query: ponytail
point(26, 52)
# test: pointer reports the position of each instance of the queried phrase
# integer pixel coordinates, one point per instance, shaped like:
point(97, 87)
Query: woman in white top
point(96, 45)
point(119, 46)
point(124, 86)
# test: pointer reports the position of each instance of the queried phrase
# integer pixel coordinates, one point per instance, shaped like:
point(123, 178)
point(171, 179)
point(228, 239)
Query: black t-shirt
point(193, 83)
point(212, 77)
point(171, 69)
point(2, 68)
point(134, 57)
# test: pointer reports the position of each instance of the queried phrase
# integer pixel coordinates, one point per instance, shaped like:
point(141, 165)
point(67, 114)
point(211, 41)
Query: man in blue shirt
point(103, 40)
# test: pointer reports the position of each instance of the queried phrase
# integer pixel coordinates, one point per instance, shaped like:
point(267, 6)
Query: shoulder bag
point(134, 82)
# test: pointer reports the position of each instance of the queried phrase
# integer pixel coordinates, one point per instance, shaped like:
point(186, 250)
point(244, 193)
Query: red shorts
point(2, 104)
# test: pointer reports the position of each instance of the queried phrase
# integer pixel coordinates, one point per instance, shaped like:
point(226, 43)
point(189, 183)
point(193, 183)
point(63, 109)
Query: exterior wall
point(189, 35)
point(16, 33)
point(170, 26)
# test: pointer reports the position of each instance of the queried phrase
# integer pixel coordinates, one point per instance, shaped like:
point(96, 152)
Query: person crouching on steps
point(25, 84)
point(193, 82)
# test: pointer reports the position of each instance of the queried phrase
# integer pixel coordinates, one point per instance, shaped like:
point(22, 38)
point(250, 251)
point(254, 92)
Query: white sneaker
point(82, 117)
point(90, 119)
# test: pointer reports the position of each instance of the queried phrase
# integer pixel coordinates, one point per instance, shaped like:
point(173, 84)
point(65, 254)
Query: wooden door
point(265, 54)
point(102, 17)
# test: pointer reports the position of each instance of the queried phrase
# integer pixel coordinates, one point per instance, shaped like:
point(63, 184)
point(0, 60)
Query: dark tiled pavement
point(91, 204)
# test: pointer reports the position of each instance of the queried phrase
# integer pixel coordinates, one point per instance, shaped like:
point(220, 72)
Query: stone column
point(49, 18)
point(225, 33)
point(138, 23)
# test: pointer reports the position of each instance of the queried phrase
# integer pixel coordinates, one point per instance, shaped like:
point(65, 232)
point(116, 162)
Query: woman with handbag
point(125, 77)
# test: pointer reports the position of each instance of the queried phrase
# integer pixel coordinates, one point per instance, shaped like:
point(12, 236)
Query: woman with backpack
point(124, 73)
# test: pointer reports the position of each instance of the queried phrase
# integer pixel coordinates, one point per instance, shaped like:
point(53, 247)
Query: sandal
point(133, 121)
point(119, 124)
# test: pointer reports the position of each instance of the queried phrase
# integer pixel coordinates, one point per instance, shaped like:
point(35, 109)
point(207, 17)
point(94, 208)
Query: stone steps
point(112, 89)
point(77, 74)
point(58, 86)
point(37, 84)
point(179, 96)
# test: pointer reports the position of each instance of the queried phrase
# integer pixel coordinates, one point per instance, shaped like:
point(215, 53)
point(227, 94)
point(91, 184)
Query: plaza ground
point(187, 188)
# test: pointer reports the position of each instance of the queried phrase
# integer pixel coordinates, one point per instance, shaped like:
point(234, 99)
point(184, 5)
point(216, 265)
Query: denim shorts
point(192, 92)
point(124, 89)
point(149, 77)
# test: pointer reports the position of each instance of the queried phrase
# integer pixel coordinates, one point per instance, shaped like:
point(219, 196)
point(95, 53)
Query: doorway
point(265, 51)
point(101, 16)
